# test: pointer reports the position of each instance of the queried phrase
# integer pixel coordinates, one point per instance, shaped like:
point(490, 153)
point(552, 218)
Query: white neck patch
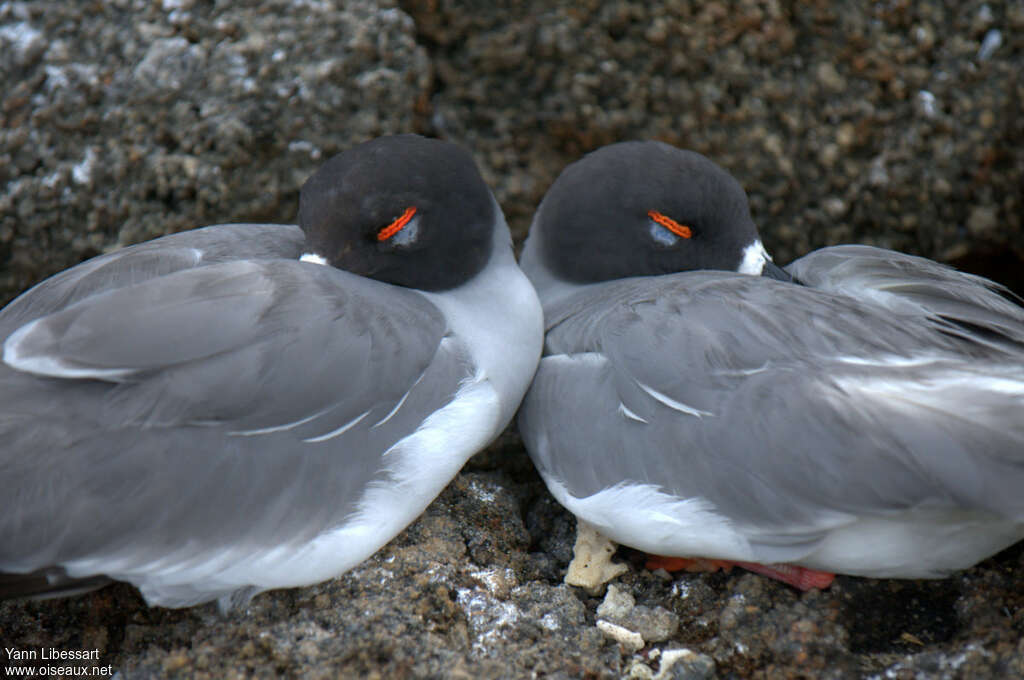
point(312, 257)
point(754, 257)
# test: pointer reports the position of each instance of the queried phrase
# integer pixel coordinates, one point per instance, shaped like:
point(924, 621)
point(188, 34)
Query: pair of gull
point(244, 407)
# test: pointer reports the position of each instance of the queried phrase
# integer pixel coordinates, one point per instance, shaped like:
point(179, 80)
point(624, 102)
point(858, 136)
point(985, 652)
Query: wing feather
point(241, 385)
point(159, 257)
point(970, 307)
point(813, 407)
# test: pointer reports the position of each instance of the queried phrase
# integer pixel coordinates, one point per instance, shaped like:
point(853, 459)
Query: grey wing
point(152, 259)
point(245, 404)
point(788, 410)
point(979, 311)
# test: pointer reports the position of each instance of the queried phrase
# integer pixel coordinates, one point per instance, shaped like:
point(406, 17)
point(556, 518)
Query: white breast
point(500, 319)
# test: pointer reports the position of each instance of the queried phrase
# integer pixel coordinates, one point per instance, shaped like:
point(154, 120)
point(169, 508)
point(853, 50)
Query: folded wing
point(207, 401)
point(789, 410)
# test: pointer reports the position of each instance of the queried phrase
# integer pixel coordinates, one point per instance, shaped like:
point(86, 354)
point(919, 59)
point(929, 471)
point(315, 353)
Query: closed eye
point(394, 231)
point(666, 230)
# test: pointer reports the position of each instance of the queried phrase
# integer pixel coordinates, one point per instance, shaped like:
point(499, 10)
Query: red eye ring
point(680, 230)
point(396, 226)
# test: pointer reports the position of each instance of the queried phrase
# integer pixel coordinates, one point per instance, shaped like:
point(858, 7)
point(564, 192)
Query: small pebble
point(627, 639)
point(993, 40)
point(982, 220)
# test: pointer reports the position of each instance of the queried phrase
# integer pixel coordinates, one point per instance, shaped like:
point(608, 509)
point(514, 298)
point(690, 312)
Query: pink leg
point(693, 564)
point(800, 578)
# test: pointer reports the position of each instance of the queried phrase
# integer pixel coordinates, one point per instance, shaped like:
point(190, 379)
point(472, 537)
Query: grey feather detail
point(120, 472)
point(966, 306)
point(338, 431)
point(793, 448)
point(152, 324)
point(152, 259)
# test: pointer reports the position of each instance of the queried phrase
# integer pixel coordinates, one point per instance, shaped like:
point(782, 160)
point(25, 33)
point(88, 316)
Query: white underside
point(921, 543)
point(417, 469)
point(643, 516)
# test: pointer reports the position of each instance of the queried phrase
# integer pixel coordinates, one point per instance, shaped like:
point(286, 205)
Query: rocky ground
point(900, 125)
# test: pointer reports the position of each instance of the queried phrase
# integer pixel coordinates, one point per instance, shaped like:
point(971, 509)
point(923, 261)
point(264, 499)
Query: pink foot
point(800, 578)
point(692, 564)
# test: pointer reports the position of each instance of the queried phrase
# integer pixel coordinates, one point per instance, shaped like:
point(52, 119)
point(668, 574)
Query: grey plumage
point(867, 418)
point(215, 350)
point(151, 259)
point(245, 407)
point(768, 362)
point(980, 311)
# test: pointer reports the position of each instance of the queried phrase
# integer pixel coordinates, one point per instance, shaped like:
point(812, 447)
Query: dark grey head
point(645, 208)
point(402, 209)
